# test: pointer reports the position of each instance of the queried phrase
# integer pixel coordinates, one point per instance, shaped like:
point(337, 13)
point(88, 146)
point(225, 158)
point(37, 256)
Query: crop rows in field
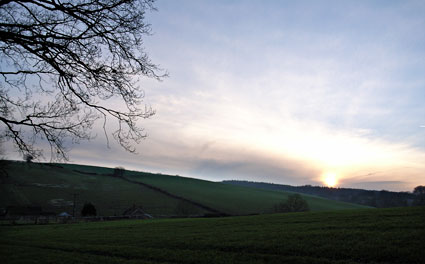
point(354, 236)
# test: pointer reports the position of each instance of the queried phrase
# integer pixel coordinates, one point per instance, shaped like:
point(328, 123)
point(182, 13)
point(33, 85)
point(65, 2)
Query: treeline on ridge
point(379, 199)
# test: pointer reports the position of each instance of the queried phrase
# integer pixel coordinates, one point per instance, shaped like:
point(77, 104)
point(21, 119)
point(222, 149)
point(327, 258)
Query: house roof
point(136, 211)
point(64, 214)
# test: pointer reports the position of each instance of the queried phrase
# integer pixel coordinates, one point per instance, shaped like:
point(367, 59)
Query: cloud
point(283, 93)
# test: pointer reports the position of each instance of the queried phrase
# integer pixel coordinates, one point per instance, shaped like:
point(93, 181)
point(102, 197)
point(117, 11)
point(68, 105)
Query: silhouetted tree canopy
point(294, 203)
point(380, 199)
point(88, 210)
point(119, 171)
point(28, 158)
point(419, 190)
point(419, 193)
point(65, 64)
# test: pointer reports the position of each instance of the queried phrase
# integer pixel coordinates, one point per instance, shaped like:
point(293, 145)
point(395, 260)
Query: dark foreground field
point(358, 236)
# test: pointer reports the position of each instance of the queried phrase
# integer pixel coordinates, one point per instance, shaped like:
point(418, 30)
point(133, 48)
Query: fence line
point(63, 220)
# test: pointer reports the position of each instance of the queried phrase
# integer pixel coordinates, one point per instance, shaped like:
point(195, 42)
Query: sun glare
point(330, 179)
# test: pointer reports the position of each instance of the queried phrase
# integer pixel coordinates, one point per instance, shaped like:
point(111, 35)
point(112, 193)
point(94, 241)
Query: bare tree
point(63, 65)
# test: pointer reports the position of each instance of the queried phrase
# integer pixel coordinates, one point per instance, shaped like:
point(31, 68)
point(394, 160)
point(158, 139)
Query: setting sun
point(330, 179)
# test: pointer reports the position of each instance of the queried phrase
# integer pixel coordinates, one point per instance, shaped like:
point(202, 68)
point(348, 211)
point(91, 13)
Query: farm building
point(137, 212)
point(64, 214)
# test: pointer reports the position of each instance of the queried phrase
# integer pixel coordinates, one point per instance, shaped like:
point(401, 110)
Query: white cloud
point(284, 92)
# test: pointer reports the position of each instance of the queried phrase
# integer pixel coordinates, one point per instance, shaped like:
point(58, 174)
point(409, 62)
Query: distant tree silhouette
point(88, 210)
point(295, 203)
point(419, 190)
point(419, 193)
point(28, 158)
point(119, 171)
point(380, 199)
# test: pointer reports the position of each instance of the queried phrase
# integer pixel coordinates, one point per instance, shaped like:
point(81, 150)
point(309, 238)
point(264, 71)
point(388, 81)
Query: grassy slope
point(39, 184)
point(223, 197)
point(358, 236)
point(232, 199)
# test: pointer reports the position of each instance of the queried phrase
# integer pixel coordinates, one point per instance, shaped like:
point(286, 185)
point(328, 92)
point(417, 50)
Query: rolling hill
point(54, 186)
point(373, 198)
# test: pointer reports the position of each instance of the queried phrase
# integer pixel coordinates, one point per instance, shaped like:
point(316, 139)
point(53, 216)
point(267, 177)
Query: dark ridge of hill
point(154, 188)
point(225, 198)
point(379, 199)
point(55, 187)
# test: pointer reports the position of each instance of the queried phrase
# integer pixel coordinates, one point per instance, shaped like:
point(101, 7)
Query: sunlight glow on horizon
point(257, 92)
point(330, 179)
point(279, 101)
point(314, 143)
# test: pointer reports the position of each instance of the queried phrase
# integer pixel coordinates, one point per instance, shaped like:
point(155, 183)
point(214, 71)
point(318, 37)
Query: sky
point(290, 92)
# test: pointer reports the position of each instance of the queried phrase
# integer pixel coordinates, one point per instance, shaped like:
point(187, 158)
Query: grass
point(350, 236)
point(53, 188)
point(232, 199)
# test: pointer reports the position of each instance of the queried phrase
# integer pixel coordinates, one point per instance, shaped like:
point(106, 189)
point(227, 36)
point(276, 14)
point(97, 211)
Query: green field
point(53, 188)
point(226, 198)
point(351, 236)
point(232, 199)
